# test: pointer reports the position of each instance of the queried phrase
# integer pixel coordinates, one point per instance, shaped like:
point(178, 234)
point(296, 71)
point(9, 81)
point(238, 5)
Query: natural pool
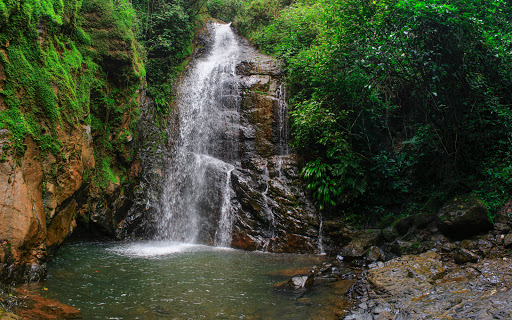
point(164, 280)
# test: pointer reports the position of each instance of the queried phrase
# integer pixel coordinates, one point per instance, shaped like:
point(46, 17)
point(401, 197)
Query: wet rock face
point(272, 211)
point(38, 209)
point(44, 199)
point(426, 287)
point(129, 211)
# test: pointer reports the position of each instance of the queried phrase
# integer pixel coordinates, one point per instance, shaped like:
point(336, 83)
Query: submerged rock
point(35, 306)
point(301, 282)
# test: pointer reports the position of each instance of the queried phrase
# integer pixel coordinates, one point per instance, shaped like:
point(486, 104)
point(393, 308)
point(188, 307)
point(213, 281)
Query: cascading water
point(223, 234)
point(283, 148)
point(196, 200)
point(282, 122)
point(230, 178)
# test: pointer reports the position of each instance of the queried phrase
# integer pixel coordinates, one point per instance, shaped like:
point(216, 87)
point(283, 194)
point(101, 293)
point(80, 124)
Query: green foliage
point(110, 25)
point(14, 120)
point(225, 10)
point(333, 172)
point(107, 175)
point(167, 32)
point(412, 96)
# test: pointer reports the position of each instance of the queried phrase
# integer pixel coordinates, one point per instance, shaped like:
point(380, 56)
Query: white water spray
point(196, 204)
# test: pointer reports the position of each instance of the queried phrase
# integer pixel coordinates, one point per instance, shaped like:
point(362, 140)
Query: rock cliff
point(70, 98)
point(273, 212)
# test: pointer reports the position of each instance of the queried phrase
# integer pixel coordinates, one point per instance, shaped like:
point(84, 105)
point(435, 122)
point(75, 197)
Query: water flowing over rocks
point(231, 180)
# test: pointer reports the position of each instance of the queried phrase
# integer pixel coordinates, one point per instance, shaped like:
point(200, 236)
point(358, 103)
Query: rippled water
point(164, 280)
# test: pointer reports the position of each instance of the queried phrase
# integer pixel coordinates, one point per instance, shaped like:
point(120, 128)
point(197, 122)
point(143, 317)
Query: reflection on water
point(165, 280)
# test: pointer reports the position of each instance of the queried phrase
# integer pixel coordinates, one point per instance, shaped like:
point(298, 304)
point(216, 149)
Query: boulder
point(374, 253)
point(403, 225)
point(423, 220)
point(389, 234)
point(360, 244)
point(463, 217)
point(463, 256)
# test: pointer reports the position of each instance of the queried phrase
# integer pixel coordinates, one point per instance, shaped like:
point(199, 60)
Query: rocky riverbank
point(453, 264)
point(432, 286)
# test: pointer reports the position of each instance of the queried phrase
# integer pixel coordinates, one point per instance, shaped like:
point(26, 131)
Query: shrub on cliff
point(166, 30)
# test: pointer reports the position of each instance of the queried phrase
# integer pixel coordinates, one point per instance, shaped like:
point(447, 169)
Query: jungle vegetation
point(397, 105)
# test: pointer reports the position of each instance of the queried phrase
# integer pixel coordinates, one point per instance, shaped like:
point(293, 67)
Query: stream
point(166, 280)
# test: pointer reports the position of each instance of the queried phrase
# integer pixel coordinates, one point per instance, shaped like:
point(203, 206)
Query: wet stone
point(302, 282)
point(424, 287)
point(374, 253)
point(484, 246)
point(501, 228)
point(463, 256)
point(449, 246)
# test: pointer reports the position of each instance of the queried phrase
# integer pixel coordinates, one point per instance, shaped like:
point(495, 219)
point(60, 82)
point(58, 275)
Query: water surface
point(165, 280)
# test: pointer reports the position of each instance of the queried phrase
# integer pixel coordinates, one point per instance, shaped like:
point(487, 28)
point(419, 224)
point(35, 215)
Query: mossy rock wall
point(71, 90)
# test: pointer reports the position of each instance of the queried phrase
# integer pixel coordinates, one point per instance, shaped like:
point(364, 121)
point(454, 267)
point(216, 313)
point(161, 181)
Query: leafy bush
point(225, 10)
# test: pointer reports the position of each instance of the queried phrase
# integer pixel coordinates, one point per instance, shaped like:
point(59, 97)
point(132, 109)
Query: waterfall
point(196, 203)
point(282, 122)
point(230, 179)
point(223, 234)
point(321, 248)
point(283, 130)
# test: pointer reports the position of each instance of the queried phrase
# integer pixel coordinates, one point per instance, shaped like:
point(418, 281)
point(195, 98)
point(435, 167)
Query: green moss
point(68, 64)
point(104, 174)
point(14, 120)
